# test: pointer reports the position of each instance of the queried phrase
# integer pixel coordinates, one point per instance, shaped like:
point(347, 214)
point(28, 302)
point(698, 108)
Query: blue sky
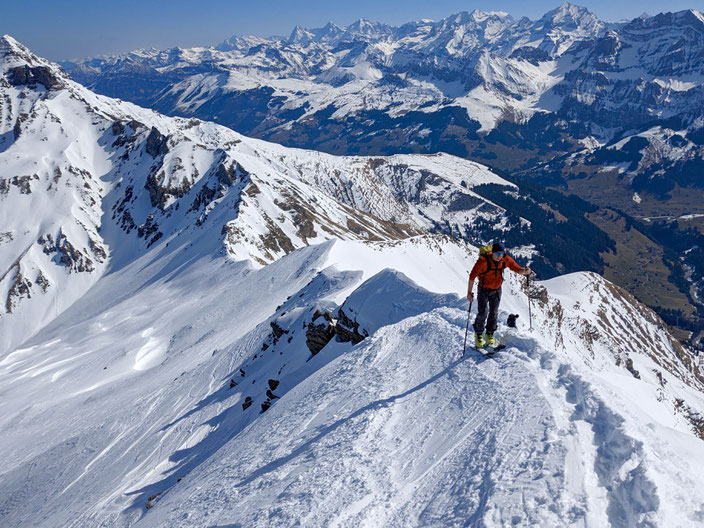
point(60, 29)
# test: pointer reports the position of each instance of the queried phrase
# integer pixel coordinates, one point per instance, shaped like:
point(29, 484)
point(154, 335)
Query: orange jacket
point(491, 275)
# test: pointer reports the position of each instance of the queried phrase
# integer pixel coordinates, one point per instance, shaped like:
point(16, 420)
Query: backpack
point(498, 268)
point(483, 250)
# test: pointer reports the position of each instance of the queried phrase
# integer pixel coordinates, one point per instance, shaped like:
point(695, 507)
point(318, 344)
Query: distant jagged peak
point(690, 18)
point(481, 16)
point(698, 14)
point(366, 26)
point(571, 15)
point(332, 32)
point(300, 35)
point(476, 17)
point(236, 42)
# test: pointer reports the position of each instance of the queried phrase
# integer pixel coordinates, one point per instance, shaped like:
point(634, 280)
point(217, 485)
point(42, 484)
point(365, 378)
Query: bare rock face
point(23, 183)
point(227, 175)
point(324, 327)
point(277, 331)
point(118, 127)
point(159, 194)
point(348, 330)
point(321, 333)
point(157, 143)
point(67, 254)
point(30, 76)
point(631, 368)
point(22, 287)
point(149, 230)
point(42, 282)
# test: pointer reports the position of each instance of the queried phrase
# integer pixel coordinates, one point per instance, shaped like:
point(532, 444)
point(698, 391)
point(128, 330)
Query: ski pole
point(530, 317)
point(469, 311)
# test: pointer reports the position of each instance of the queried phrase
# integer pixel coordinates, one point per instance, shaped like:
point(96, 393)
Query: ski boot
point(478, 340)
point(490, 341)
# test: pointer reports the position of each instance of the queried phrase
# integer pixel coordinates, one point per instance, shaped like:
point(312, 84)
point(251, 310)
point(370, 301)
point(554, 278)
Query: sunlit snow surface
point(127, 396)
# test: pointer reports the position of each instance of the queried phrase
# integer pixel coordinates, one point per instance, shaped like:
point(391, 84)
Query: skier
point(490, 269)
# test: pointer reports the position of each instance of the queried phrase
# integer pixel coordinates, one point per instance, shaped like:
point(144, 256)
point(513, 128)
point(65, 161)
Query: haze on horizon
point(83, 28)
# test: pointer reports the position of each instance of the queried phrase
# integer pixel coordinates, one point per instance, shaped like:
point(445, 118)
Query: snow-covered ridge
point(115, 179)
point(228, 405)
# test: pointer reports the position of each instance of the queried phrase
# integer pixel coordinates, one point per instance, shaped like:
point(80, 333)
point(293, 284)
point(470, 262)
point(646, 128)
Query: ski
point(490, 352)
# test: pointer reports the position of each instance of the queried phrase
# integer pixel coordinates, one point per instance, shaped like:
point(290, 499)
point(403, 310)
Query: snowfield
point(231, 333)
point(121, 412)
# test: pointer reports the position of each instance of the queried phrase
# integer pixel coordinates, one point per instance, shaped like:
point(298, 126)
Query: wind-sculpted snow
point(397, 430)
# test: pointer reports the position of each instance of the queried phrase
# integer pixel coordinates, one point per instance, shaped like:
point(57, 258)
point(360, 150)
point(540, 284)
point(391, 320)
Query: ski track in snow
point(449, 442)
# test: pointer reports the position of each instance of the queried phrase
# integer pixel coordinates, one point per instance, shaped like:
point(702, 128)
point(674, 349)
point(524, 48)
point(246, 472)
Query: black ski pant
point(487, 310)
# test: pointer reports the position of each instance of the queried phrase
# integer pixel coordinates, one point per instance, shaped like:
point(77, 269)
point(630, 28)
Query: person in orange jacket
point(490, 270)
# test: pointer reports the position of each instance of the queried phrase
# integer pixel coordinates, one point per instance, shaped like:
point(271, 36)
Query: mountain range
point(200, 328)
point(608, 112)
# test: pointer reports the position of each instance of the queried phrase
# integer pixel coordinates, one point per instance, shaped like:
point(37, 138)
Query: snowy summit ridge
point(199, 328)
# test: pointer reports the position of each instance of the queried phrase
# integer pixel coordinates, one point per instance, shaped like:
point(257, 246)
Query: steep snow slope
point(114, 179)
point(152, 369)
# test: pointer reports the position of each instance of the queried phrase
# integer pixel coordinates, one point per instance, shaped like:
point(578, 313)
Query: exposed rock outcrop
point(348, 329)
point(321, 333)
point(324, 327)
point(157, 143)
point(21, 287)
point(30, 76)
point(149, 230)
point(67, 254)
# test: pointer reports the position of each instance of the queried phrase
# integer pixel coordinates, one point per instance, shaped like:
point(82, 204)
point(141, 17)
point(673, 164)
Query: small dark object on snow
point(233, 383)
point(271, 395)
point(242, 373)
point(150, 500)
point(490, 352)
point(247, 403)
point(512, 320)
point(265, 406)
point(273, 384)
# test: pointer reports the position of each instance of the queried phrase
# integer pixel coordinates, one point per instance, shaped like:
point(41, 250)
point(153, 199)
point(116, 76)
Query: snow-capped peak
point(570, 15)
point(481, 16)
point(12, 52)
point(300, 35)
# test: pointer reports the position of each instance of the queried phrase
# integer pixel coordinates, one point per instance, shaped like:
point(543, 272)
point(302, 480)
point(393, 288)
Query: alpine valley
point(199, 328)
point(607, 112)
